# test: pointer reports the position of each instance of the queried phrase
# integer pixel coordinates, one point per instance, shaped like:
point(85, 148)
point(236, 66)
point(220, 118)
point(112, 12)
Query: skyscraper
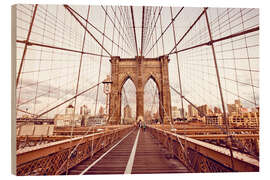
point(192, 112)
point(205, 110)
point(234, 108)
point(127, 111)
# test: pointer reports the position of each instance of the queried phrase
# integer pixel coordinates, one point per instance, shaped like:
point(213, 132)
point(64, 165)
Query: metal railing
point(57, 157)
point(202, 156)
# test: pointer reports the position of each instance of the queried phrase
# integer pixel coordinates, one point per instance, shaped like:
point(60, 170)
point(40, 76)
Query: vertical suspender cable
point(134, 30)
point(26, 44)
point(220, 88)
point(100, 61)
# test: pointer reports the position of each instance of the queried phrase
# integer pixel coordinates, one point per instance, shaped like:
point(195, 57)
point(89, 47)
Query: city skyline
point(239, 67)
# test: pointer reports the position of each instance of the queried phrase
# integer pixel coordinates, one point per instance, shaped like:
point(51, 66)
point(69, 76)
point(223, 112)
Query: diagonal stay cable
point(68, 8)
point(150, 29)
point(99, 31)
point(60, 104)
point(163, 32)
point(77, 145)
point(100, 62)
point(107, 14)
point(142, 33)
point(126, 23)
point(154, 28)
point(120, 25)
point(134, 30)
point(184, 149)
point(189, 29)
point(217, 40)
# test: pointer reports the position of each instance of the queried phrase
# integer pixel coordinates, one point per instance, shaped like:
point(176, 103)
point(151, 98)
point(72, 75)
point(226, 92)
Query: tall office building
point(192, 112)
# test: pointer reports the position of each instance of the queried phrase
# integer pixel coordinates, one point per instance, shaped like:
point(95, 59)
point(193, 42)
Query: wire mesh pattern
point(62, 50)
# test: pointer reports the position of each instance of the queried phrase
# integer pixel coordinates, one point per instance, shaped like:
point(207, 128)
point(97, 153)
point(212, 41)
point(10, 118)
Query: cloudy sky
point(51, 64)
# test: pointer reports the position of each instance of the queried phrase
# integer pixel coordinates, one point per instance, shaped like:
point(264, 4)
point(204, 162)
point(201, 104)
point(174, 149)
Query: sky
point(50, 76)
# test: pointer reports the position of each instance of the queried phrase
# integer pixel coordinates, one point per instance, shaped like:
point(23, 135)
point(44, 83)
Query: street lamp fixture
point(107, 90)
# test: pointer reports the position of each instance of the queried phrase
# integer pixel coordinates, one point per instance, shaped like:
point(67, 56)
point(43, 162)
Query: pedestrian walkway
point(137, 153)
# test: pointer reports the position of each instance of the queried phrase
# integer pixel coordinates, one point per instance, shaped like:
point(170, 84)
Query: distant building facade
point(239, 116)
point(127, 115)
point(217, 110)
point(69, 118)
point(248, 119)
point(205, 110)
point(192, 112)
point(234, 109)
point(213, 120)
point(95, 120)
point(176, 114)
point(185, 113)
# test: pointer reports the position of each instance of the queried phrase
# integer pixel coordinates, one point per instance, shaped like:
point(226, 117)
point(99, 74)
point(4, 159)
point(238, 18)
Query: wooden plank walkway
point(150, 157)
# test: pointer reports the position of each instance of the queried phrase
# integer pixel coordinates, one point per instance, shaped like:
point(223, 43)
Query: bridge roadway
point(136, 153)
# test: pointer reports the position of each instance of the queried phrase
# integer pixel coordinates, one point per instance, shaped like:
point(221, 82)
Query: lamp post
point(107, 90)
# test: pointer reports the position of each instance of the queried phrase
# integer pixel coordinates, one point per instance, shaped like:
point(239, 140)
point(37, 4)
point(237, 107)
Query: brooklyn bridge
point(135, 89)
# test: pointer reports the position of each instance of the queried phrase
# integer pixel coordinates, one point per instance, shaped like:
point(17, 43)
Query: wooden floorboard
point(150, 157)
point(113, 163)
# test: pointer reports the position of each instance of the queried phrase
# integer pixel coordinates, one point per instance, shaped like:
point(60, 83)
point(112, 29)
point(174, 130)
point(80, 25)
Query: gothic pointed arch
point(124, 77)
point(139, 70)
point(155, 77)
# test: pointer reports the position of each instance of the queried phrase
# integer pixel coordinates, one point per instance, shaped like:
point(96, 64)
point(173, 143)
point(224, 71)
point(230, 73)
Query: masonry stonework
point(139, 70)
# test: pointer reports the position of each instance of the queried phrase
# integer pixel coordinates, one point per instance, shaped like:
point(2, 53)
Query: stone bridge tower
point(139, 70)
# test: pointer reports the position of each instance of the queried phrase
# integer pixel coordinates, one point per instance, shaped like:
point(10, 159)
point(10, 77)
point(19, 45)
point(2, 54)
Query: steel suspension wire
point(81, 58)
point(151, 29)
point(100, 63)
point(199, 17)
point(79, 94)
point(124, 14)
point(106, 12)
point(183, 148)
point(125, 95)
point(26, 44)
point(77, 145)
point(134, 30)
point(114, 27)
point(71, 12)
point(220, 90)
point(77, 88)
point(127, 24)
point(178, 68)
point(218, 40)
point(222, 128)
point(147, 27)
point(49, 90)
point(154, 29)
point(163, 32)
point(149, 24)
point(227, 90)
point(143, 32)
point(247, 51)
point(39, 63)
point(121, 27)
point(59, 48)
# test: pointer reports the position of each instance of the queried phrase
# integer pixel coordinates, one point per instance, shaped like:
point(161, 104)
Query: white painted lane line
point(132, 155)
point(96, 161)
